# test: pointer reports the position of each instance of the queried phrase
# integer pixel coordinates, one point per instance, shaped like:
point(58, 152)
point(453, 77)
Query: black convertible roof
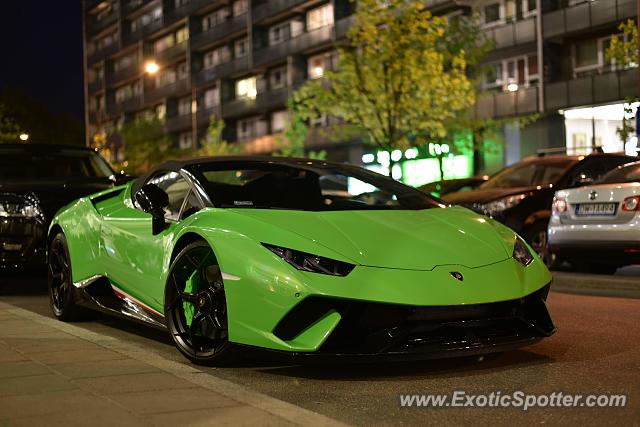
point(176, 165)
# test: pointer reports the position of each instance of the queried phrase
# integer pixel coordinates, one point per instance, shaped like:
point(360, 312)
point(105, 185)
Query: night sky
point(41, 48)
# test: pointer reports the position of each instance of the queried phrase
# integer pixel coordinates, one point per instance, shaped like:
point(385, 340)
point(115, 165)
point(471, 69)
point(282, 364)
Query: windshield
point(308, 187)
point(528, 174)
point(20, 164)
point(629, 173)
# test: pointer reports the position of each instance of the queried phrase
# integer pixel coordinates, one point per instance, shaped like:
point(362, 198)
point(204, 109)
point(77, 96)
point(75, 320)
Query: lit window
point(215, 18)
point(279, 120)
point(246, 88)
point(185, 141)
point(212, 97)
point(241, 47)
point(184, 106)
point(216, 56)
point(278, 78)
point(492, 13)
point(320, 17)
point(240, 7)
point(317, 65)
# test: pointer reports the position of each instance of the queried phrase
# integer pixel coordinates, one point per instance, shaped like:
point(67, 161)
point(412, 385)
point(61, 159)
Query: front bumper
point(22, 243)
point(413, 332)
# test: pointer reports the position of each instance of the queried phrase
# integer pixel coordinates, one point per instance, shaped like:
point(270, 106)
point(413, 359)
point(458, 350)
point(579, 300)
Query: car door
point(133, 255)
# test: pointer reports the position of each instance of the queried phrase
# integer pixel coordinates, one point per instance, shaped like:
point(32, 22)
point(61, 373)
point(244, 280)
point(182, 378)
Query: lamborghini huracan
point(292, 255)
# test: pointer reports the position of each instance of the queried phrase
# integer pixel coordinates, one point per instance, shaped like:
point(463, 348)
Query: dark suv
point(520, 196)
point(35, 181)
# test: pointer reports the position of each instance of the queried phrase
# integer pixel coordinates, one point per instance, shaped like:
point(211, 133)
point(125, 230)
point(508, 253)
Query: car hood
point(403, 239)
point(482, 195)
point(55, 194)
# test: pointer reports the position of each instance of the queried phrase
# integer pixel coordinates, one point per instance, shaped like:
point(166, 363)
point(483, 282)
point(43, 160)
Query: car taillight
point(631, 203)
point(559, 205)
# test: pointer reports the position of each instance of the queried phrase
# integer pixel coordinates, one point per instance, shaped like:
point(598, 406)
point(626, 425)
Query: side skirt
point(98, 293)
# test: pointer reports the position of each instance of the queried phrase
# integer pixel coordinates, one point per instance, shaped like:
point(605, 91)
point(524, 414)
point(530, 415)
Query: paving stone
point(95, 355)
point(173, 400)
point(22, 369)
point(81, 418)
point(34, 384)
point(42, 344)
point(49, 403)
point(8, 354)
point(136, 382)
point(228, 416)
point(103, 368)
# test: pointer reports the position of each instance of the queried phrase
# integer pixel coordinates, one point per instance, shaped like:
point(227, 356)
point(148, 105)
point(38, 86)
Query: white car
point(597, 227)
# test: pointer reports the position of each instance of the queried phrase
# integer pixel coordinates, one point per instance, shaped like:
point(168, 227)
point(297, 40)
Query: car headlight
point(10, 210)
point(311, 263)
point(521, 252)
point(500, 205)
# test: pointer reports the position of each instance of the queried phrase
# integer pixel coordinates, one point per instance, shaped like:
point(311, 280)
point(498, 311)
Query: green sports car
point(297, 256)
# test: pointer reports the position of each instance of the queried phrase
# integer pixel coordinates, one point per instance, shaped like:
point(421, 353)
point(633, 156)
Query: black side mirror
point(152, 199)
point(120, 178)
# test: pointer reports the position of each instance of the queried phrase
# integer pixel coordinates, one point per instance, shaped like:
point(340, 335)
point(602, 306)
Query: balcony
point(178, 123)
point(506, 104)
point(596, 89)
point(132, 6)
point(586, 15)
point(343, 25)
point(152, 95)
point(171, 54)
point(222, 70)
point(96, 25)
point(214, 34)
point(128, 105)
point(132, 37)
point(514, 33)
point(264, 101)
point(103, 53)
point(184, 10)
point(274, 7)
point(294, 45)
point(95, 86)
point(123, 75)
point(204, 114)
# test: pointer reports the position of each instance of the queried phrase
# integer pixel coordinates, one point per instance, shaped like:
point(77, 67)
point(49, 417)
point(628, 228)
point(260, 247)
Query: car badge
point(457, 275)
point(593, 194)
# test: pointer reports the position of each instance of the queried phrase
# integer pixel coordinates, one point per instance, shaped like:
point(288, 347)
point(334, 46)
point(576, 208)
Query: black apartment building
point(239, 60)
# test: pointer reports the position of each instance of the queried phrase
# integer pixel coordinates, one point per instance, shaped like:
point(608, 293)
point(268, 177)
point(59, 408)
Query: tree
point(214, 144)
point(624, 50)
point(145, 143)
point(9, 129)
point(394, 80)
point(291, 142)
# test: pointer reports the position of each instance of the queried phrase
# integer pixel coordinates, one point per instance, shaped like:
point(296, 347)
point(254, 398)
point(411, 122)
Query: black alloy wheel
point(195, 306)
point(61, 293)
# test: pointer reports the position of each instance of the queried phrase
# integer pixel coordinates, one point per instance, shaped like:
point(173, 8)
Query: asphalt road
point(596, 350)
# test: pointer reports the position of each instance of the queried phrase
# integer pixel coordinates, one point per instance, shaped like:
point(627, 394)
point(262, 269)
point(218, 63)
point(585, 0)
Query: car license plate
point(596, 209)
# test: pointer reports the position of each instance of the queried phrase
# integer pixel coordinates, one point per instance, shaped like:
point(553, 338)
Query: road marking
point(191, 373)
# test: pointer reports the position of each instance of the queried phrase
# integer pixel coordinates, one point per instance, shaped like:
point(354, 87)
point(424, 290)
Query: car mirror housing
point(152, 200)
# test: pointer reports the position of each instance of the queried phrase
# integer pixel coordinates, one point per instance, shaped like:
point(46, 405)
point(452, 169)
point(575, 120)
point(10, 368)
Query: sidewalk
point(53, 373)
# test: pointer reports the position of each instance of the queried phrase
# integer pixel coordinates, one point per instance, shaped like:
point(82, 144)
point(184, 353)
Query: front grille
point(373, 328)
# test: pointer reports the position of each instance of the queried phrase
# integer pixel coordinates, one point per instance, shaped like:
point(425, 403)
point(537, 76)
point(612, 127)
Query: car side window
point(176, 187)
point(191, 205)
point(594, 168)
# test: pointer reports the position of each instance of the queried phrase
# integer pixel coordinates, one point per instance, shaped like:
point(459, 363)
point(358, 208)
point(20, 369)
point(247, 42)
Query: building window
point(217, 56)
point(528, 8)
point(512, 73)
point(278, 78)
point(184, 106)
point(279, 121)
point(160, 111)
point(589, 56)
point(285, 31)
point(320, 17)
point(126, 92)
point(146, 19)
point(493, 76)
point(246, 88)
point(180, 3)
point(212, 97)
point(165, 77)
point(240, 7)
point(492, 13)
point(171, 40)
point(105, 41)
point(251, 127)
point(317, 65)
point(125, 62)
point(185, 141)
point(241, 47)
point(216, 18)
point(182, 71)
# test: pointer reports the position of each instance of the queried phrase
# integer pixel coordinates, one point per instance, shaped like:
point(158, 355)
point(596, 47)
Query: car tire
point(59, 282)
point(537, 237)
point(195, 306)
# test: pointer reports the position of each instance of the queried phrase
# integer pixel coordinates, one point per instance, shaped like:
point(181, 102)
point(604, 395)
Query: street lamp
point(151, 67)
point(24, 137)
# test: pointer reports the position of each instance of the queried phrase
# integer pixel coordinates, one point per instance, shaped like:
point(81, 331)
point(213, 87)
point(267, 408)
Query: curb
point(596, 284)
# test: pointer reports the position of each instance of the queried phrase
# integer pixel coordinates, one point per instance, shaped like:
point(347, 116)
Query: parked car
point(35, 181)
point(446, 186)
point(520, 196)
point(278, 253)
point(597, 227)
